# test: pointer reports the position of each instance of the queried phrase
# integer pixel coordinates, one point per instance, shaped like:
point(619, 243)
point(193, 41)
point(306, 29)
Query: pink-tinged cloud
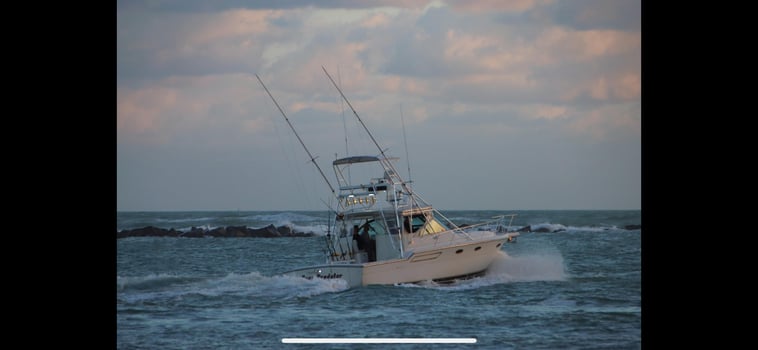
point(618, 87)
point(254, 126)
point(179, 106)
point(409, 4)
point(613, 86)
point(418, 114)
point(376, 20)
point(461, 46)
point(599, 89)
point(629, 86)
point(510, 81)
point(404, 85)
point(239, 23)
point(550, 112)
point(558, 45)
point(491, 52)
point(301, 72)
point(601, 122)
point(139, 111)
point(494, 5)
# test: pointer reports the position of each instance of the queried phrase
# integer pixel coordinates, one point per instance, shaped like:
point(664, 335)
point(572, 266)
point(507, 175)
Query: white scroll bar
point(379, 340)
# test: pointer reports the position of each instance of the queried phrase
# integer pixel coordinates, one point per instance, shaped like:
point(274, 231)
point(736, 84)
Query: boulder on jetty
point(542, 229)
point(228, 231)
point(527, 228)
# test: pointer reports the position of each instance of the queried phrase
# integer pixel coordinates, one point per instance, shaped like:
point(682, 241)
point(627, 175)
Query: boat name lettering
point(326, 277)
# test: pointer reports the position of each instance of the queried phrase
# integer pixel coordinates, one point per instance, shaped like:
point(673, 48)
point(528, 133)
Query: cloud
point(138, 111)
point(494, 5)
point(489, 63)
point(557, 45)
point(623, 15)
point(161, 45)
point(376, 20)
point(538, 71)
point(193, 107)
point(204, 6)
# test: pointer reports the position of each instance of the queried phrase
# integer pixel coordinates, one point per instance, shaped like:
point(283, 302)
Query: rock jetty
point(228, 231)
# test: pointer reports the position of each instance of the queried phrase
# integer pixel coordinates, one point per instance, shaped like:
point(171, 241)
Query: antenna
point(407, 158)
point(405, 143)
point(313, 160)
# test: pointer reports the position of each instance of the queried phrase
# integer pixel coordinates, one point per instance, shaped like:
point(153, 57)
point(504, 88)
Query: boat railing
point(498, 221)
point(501, 220)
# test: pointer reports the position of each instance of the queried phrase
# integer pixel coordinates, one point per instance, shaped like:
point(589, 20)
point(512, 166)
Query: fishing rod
point(349, 238)
point(330, 246)
point(328, 234)
point(313, 159)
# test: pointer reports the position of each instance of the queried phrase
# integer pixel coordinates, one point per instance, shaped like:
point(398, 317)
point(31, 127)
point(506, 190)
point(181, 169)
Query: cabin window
point(375, 228)
point(414, 223)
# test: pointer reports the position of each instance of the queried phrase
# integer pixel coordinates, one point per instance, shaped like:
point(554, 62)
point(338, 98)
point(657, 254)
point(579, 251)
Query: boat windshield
point(424, 224)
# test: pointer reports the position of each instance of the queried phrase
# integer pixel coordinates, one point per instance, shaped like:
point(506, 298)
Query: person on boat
point(367, 243)
point(357, 238)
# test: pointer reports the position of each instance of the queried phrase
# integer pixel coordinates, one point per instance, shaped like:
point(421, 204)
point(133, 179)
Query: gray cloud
point(184, 6)
point(596, 14)
point(542, 102)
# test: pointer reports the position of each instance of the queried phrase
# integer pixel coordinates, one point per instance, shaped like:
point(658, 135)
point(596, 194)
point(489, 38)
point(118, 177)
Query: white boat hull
point(449, 262)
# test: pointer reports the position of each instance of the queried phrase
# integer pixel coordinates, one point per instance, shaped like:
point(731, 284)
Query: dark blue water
point(579, 288)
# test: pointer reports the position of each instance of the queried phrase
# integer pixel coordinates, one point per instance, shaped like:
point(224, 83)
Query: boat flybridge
point(385, 233)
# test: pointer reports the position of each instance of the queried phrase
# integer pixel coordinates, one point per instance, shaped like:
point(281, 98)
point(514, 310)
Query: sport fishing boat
point(385, 233)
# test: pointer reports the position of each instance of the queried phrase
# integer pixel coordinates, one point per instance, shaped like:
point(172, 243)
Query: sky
point(499, 105)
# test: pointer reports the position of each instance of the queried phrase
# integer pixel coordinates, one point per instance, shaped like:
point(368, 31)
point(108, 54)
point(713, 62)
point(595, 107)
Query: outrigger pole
point(402, 183)
point(313, 160)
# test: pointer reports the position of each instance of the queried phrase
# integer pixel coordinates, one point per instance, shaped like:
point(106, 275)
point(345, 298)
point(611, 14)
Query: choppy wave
point(284, 217)
point(316, 221)
point(316, 229)
point(165, 286)
point(152, 281)
point(548, 226)
point(553, 227)
point(299, 222)
point(188, 219)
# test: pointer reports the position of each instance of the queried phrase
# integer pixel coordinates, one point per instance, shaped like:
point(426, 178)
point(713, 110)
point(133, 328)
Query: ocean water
point(578, 288)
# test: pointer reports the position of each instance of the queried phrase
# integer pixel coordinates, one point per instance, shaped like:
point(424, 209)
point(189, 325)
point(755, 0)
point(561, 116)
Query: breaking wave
point(253, 284)
point(550, 227)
